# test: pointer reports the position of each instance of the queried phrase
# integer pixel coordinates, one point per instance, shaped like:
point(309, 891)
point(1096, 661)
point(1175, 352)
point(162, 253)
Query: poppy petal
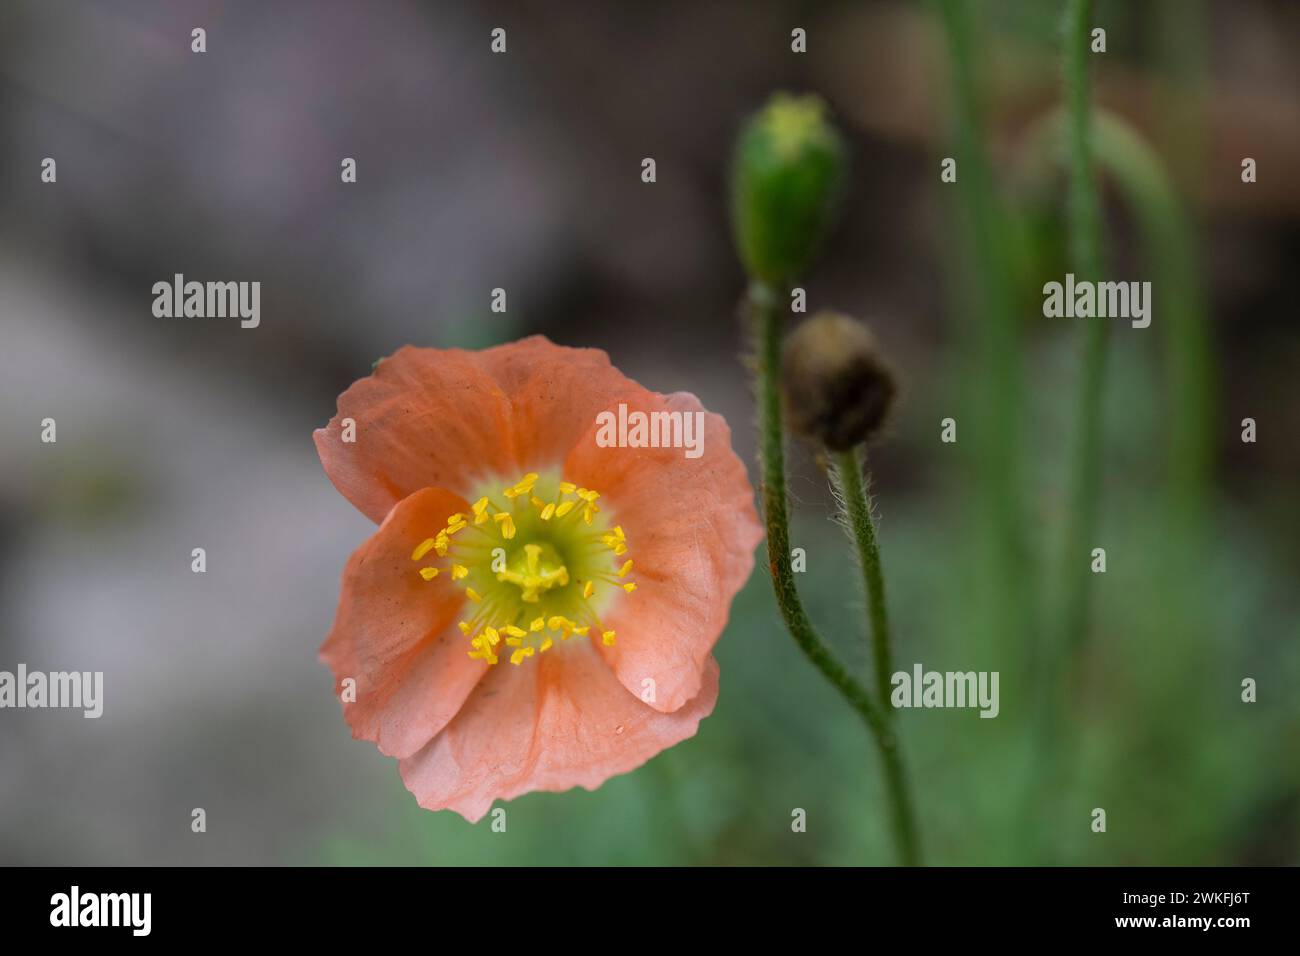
point(557, 722)
point(691, 529)
point(394, 633)
point(425, 418)
point(555, 394)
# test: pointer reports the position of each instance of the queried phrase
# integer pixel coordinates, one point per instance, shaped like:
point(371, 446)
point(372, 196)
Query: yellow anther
point(507, 522)
point(615, 540)
point(428, 573)
point(484, 650)
point(521, 598)
point(421, 549)
point(523, 486)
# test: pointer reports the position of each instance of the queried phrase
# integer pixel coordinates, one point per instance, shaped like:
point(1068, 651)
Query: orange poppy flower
point(535, 611)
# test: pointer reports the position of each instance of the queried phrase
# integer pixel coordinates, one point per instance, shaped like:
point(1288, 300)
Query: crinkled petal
point(557, 721)
point(691, 529)
point(425, 418)
point(394, 633)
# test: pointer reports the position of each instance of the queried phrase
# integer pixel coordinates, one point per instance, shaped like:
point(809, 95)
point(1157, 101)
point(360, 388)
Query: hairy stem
point(849, 471)
point(776, 516)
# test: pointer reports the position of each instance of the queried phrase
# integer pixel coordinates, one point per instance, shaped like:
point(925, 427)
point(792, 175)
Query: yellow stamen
point(538, 594)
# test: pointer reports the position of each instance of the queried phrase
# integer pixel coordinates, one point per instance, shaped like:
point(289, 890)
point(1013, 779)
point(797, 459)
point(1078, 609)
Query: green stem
point(1085, 245)
point(991, 340)
point(776, 515)
point(849, 471)
point(1084, 208)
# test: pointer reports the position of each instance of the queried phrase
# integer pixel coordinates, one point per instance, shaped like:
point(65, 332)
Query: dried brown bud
point(838, 388)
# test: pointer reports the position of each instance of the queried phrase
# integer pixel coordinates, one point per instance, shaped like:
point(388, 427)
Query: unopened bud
point(838, 388)
point(786, 179)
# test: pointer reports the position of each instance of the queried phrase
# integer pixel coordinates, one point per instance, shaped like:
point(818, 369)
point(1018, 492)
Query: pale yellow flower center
point(535, 561)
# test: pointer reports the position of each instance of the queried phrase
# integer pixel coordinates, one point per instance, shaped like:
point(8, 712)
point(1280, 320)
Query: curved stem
point(776, 516)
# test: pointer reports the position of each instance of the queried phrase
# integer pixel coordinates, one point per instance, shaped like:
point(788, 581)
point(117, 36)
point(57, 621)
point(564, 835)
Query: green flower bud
point(786, 178)
point(838, 388)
